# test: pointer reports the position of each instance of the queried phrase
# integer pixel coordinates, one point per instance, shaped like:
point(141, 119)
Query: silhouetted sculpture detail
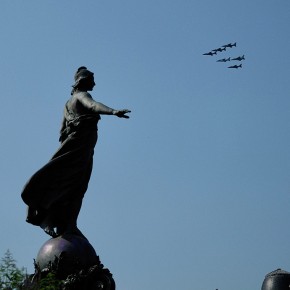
point(276, 280)
point(54, 193)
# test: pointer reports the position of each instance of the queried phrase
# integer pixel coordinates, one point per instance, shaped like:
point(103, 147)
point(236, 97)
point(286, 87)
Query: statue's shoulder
point(81, 95)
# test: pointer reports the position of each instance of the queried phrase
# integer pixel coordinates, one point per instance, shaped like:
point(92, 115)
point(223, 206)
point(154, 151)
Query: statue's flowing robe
point(64, 179)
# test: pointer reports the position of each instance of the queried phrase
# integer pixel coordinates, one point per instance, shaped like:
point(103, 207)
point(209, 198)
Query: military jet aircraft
point(219, 49)
point(230, 45)
point(235, 66)
point(239, 58)
point(210, 53)
point(224, 59)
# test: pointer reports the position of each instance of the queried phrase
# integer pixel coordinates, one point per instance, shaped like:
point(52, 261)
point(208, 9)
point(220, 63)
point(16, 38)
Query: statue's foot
point(50, 231)
point(34, 216)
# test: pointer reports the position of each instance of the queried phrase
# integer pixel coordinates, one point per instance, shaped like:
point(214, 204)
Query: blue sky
point(192, 191)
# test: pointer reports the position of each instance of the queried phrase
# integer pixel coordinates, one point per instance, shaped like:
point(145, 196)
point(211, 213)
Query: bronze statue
point(54, 193)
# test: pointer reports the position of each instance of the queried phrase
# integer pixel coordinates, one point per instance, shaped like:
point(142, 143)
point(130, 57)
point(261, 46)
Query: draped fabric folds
point(63, 181)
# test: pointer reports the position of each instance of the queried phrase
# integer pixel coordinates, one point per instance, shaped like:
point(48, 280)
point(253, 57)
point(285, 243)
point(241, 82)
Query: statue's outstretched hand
point(122, 113)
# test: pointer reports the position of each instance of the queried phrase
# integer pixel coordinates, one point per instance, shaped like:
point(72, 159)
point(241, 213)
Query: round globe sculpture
point(277, 280)
point(68, 254)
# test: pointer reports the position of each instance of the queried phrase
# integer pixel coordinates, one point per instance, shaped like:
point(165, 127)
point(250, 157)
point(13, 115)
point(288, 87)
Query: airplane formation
point(224, 48)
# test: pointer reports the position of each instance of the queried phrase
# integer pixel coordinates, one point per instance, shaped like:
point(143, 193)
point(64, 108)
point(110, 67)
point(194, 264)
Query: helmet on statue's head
point(81, 74)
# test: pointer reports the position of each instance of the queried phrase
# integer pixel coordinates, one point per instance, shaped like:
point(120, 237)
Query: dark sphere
point(68, 253)
point(277, 280)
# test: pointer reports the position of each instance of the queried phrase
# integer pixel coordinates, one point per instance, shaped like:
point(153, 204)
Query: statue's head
point(84, 79)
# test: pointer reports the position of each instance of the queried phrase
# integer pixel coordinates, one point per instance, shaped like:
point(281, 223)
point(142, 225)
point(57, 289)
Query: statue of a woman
point(54, 193)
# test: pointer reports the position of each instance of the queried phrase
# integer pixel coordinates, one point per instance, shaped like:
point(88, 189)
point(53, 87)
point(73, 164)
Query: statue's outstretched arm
point(100, 108)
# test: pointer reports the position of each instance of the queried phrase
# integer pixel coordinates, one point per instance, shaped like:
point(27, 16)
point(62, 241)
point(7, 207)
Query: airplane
point(239, 58)
point(230, 45)
point(219, 49)
point(224, 59)
point(235, 66)
point(210, 53)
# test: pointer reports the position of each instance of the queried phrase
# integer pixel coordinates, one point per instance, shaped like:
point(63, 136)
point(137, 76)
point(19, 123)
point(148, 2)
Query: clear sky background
point(192, 192)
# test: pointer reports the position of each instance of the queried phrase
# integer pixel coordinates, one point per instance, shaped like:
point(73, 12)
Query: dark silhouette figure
point(224, 59)
point(54, 193)
point(235, 66)
point(230, 45)
point(220, 49)
point(239, 58)
point(211, 53)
